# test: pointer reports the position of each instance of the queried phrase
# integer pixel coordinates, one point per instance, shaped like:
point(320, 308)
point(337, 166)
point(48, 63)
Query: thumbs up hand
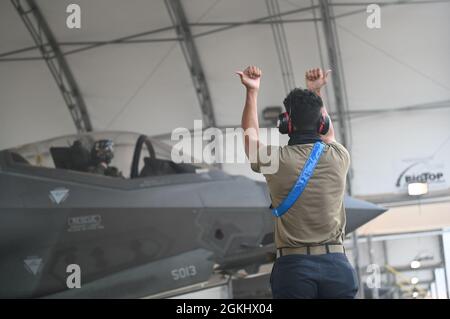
point(316, 79)
point(250, 77)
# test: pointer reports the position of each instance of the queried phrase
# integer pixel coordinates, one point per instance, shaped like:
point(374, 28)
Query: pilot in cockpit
point(101, 155)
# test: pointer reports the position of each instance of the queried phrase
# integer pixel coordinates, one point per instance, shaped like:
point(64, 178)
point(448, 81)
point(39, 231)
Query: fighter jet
point(70, 231)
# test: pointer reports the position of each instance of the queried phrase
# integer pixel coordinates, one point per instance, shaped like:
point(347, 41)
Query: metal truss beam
point(340, 96)
point(44, 39)
point(122, 40)
point(264, 22)
point(224, 26)
point(339, 89)
point(335, 63)
point(88, 45)
point(254, 21)
point(281, 45)
point(192, 58)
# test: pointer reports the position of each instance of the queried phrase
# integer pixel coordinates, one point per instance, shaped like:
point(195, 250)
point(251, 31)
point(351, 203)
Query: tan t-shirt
point(318, 216)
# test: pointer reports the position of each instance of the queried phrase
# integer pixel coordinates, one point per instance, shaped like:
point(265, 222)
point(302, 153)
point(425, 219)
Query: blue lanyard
point(302, 180)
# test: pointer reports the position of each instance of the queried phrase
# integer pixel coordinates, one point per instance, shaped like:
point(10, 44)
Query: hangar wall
point(393, 67)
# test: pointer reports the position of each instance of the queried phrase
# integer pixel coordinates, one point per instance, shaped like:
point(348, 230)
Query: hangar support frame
point(51, 51)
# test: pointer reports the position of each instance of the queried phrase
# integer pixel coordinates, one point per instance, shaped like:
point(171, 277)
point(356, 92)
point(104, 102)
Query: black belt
point(311, 250)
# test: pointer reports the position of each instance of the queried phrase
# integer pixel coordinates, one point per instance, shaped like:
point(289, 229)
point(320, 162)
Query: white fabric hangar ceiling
point(147, 88)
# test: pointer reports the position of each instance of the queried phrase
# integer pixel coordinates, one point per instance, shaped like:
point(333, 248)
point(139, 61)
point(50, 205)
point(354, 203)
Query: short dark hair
point(304, 108)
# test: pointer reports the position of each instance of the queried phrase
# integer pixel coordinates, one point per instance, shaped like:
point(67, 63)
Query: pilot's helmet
point(103, 151)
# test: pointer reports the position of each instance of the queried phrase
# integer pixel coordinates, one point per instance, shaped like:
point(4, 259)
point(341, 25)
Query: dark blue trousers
point(313, 276)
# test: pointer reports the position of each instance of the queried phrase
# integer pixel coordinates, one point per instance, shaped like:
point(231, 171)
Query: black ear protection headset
point(285, 124)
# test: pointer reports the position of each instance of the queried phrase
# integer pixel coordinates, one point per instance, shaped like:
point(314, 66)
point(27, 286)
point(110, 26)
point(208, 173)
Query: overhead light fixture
point(415, 294)
point(417, 189)
point(415, 264)
point(414, 280)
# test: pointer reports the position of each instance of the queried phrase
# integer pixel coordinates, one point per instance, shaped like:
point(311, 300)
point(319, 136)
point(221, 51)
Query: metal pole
point(375, 292)
point(281, 45)
point(444, 247)
point(355, 251)
point(192, 58)
point(43, 36)
point(335, 63)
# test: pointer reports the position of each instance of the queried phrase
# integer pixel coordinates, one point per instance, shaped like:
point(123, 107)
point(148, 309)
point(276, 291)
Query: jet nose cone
point(360, 212)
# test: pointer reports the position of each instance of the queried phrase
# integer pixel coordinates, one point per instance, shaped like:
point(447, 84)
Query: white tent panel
point(403, 63)
point(170, 102)
point(223, 11)
point(104, 20)
point(234, 50)
point(13, 33)
point(135, 86)
point(30, 107)
point(304, 51)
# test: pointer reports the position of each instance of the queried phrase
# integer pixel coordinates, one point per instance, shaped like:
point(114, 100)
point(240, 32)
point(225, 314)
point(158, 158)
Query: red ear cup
point(284, 123)
point(324, 125)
